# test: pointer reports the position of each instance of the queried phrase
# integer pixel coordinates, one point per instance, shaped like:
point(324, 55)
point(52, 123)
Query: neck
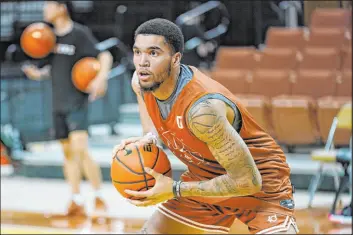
point(167, 87)
point(63, 25)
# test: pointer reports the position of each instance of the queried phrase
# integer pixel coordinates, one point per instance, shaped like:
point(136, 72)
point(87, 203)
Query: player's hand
point(31, 71)
point(161, 191)
point(97, 88)
point(141, 140)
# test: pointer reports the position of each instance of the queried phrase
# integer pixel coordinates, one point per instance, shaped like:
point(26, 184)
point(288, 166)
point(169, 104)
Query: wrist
point(176, 189)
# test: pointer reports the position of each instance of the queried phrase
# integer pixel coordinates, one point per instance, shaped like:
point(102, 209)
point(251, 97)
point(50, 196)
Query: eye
point(154, 53)
point(137, 52)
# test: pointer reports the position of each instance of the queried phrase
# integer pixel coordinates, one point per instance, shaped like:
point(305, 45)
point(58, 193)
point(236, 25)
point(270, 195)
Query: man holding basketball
point(235, 169)
point(70, 106)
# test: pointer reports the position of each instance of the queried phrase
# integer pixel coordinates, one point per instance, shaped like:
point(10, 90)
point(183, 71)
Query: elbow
point(106, 55)
point(253, 184)
point(257, 184)
point(257, 188)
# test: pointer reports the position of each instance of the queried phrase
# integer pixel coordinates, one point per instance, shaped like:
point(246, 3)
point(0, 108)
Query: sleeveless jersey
point(173, 131)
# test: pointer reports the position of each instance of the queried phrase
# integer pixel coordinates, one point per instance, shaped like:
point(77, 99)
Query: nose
point(143, 61)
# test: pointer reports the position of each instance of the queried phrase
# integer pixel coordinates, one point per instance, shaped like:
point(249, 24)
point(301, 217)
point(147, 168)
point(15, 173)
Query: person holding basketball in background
point(70, 106)
point(235, 169)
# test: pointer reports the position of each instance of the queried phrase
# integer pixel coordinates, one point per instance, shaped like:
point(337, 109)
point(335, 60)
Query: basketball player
point(70, 106)
point(235, 169)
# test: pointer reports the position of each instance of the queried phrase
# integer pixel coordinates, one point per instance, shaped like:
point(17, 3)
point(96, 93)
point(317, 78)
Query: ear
point(176, 59)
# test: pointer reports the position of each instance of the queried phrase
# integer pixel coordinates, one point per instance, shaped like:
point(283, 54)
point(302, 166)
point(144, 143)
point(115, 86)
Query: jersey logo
point(65, 49)
point(179, 120)
point(272, 218)
point(180, 149)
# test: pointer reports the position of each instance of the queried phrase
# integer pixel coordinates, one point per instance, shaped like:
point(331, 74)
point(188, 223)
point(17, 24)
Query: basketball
point(84, 71)
point(38, 40)
point(127, 167)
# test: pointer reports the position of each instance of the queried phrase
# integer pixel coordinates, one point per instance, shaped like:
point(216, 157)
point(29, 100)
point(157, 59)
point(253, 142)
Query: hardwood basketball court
point(37, 206)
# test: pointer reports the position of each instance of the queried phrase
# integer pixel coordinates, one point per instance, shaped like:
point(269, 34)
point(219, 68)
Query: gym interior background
point(287, 60)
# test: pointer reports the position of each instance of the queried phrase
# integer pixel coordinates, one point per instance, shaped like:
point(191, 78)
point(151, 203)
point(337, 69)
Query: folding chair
point(331, 155)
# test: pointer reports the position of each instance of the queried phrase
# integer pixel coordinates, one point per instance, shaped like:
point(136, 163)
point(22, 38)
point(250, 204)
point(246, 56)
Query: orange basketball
point(127, 167)
point(84, 71)
point(38, 40)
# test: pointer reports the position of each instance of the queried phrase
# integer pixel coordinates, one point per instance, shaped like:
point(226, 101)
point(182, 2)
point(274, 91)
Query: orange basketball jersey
point(201, 164)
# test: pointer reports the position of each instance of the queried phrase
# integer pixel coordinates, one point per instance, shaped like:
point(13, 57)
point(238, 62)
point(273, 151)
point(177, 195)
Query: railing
point(199, 11)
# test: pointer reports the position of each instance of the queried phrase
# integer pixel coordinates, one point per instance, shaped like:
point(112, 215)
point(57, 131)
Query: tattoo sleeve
point(207, 121)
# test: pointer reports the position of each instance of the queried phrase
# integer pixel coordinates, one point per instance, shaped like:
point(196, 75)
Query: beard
point(160, 79)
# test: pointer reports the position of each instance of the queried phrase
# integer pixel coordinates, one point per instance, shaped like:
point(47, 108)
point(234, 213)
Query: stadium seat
point(314, 83)
point(327, 108)
point(260, 108)
point(270, 82)
point(240, 58)
point(326, 38)
point(320, 58)
point(281, 37)
point(344, 83)
point(348, 38)
point(347, 58)
point(330, 18)
point(237, 81)
point(278, 58)
point(294, 120)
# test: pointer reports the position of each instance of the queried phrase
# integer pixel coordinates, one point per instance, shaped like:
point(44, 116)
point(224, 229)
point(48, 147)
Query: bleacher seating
point(296, 84)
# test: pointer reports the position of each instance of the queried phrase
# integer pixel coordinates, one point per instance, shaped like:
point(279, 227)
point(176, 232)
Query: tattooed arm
point(208, 122)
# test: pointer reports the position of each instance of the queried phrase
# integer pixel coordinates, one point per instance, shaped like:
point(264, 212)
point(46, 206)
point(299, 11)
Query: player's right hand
point(31, 71)
point(146, 139)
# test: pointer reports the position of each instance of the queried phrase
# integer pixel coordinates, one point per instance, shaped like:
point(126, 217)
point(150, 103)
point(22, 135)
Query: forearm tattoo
point(208, 122)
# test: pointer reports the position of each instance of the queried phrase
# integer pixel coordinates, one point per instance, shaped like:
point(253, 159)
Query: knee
point(66, 148)
point(78, 142)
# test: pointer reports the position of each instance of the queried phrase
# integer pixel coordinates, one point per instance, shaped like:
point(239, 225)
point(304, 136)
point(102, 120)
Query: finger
point(137, 193)
point(125, 142)
point(120, 146)
point(141, 203)
point(151, 172)
point(116, 150)
point(131, 140)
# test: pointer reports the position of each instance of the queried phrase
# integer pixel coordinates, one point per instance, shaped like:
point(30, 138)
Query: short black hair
point(170, 31)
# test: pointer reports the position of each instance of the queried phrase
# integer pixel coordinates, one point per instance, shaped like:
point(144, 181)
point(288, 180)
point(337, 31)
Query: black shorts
point(66, 122)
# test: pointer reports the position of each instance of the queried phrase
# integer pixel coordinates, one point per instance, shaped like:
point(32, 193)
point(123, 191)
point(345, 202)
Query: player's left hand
point(97, 88)
point(161, 191)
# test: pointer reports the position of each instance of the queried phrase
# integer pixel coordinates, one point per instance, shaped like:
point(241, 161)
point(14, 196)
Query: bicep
point(208, 122)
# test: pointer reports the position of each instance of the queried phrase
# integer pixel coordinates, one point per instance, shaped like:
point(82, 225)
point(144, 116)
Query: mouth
point(144, 75)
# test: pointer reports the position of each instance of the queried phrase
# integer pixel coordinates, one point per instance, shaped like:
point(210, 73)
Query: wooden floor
point(310, 221)
point(35, 206)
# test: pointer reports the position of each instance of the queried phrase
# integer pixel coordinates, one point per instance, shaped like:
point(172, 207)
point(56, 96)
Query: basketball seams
point(128, 168)
point(155, 162)
point(131, 182)
point(167, 171)
point(140, 181)
point(142, 166)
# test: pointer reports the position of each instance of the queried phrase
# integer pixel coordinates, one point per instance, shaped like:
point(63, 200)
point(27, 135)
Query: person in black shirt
point(74, 42)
